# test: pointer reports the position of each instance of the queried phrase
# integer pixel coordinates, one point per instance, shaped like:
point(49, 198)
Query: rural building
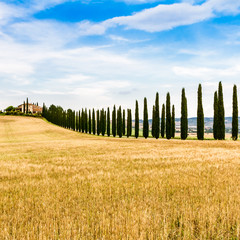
point(31, 108)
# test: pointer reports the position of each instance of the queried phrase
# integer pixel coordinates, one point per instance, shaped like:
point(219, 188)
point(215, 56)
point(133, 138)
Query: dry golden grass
point(58, 184)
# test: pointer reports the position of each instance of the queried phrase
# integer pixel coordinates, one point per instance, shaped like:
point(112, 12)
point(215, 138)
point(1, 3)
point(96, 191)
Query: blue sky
point(87, 53)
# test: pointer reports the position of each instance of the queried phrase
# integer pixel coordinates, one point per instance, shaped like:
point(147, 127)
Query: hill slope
point(58, 184)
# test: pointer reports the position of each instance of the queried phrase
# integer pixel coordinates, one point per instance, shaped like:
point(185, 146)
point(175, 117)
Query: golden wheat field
point(59, 184)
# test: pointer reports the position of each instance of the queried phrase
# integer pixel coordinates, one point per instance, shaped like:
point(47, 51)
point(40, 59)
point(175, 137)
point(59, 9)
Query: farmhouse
point(31, 108)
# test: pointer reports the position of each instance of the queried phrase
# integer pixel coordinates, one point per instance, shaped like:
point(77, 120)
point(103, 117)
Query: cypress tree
point(89, 122)
point(168, 117)
point(215, 118)
point(93, 122)
point(123, 123)
point(98, 123)
point(119, 122)
point(129, 123)
point(235, 114)
point(200, 115)
point(83, 120)
point(73, 120)
point(145, 120)
point(108, 122)
point(136, 120)
point(157, 118)
point(221, 114)
point(24, 108)
point(173, 122)
point(86, 121)
point(27, 106)
point(114, 121)
point(153, 121)
point(163, 121)
point(103, 122)
point(184, 119)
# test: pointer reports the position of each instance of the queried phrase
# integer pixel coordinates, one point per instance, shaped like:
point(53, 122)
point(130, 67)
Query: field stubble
point(59, 184)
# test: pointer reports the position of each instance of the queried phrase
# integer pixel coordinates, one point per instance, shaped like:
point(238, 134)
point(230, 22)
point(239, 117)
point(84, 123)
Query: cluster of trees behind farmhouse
point(120, 122)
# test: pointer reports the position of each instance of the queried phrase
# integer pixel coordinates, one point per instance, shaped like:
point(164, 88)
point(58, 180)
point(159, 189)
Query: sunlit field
point(59, 184)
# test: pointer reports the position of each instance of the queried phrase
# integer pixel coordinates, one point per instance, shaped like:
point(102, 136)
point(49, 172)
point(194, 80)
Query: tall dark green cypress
point(184, 119)
point(89, 122)
point(24, 108)
point(103, 122)
point(86, 121)
point(163, 121)
point(221, 114)
point(136, 120)
point(108, 123)
point(235, 114)
point(157, 118)
point(124, 123)
point(114, 121)
point(200, 115)
point(83, 120)
point(119, 122)
point(215, 117)
point(79, 121)
point(145, 120)
point(173, 122)
point(153, 122)
point(129, 123)
point(27, 106)
point(168, 117)
point(98, 123)
point(93, 122)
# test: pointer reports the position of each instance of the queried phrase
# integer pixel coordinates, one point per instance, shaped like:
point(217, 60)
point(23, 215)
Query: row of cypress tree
point(99, 122)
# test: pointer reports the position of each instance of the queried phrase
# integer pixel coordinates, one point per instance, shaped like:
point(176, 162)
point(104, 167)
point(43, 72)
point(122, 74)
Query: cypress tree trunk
point(123, 124)
point(215, 117)
point(157, 117)
point(200, 115)
point(153, 122)
point(168, 117)
point(235, 114)
point(184, 120)
point(129, 123)
point(89, 122)
point(98, 123)
point(114, 122)
point(136, 120)
point(119, 122)
point(163, 121)
point(221, 114)
point(173, 122)
point(145, 120)
point(108, 123)
point(93, 122)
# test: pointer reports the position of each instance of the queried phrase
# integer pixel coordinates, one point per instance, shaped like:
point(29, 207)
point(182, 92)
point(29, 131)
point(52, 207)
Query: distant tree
point(215, 118)
point(119, 122)
point(114, 121)
point(79, 121)
point(98, 123)
point(123, 123)
point(145, 120)
point(184, 119)
point(136, 120)
point(221, 114)
point(200, 115)
point(27, 106)
point(73, 121)
point(83, 120)
point(168, 117)
point(103, 121)
point(157, 117)
point(129, 123)
point(153, 121)
point(24, 107)
point(89, 122)
point(235, 114)
point(163, 121)
point(93, 122)
point(108, 123)
point(10, 108)
point(86, 121)
point(173, 122)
